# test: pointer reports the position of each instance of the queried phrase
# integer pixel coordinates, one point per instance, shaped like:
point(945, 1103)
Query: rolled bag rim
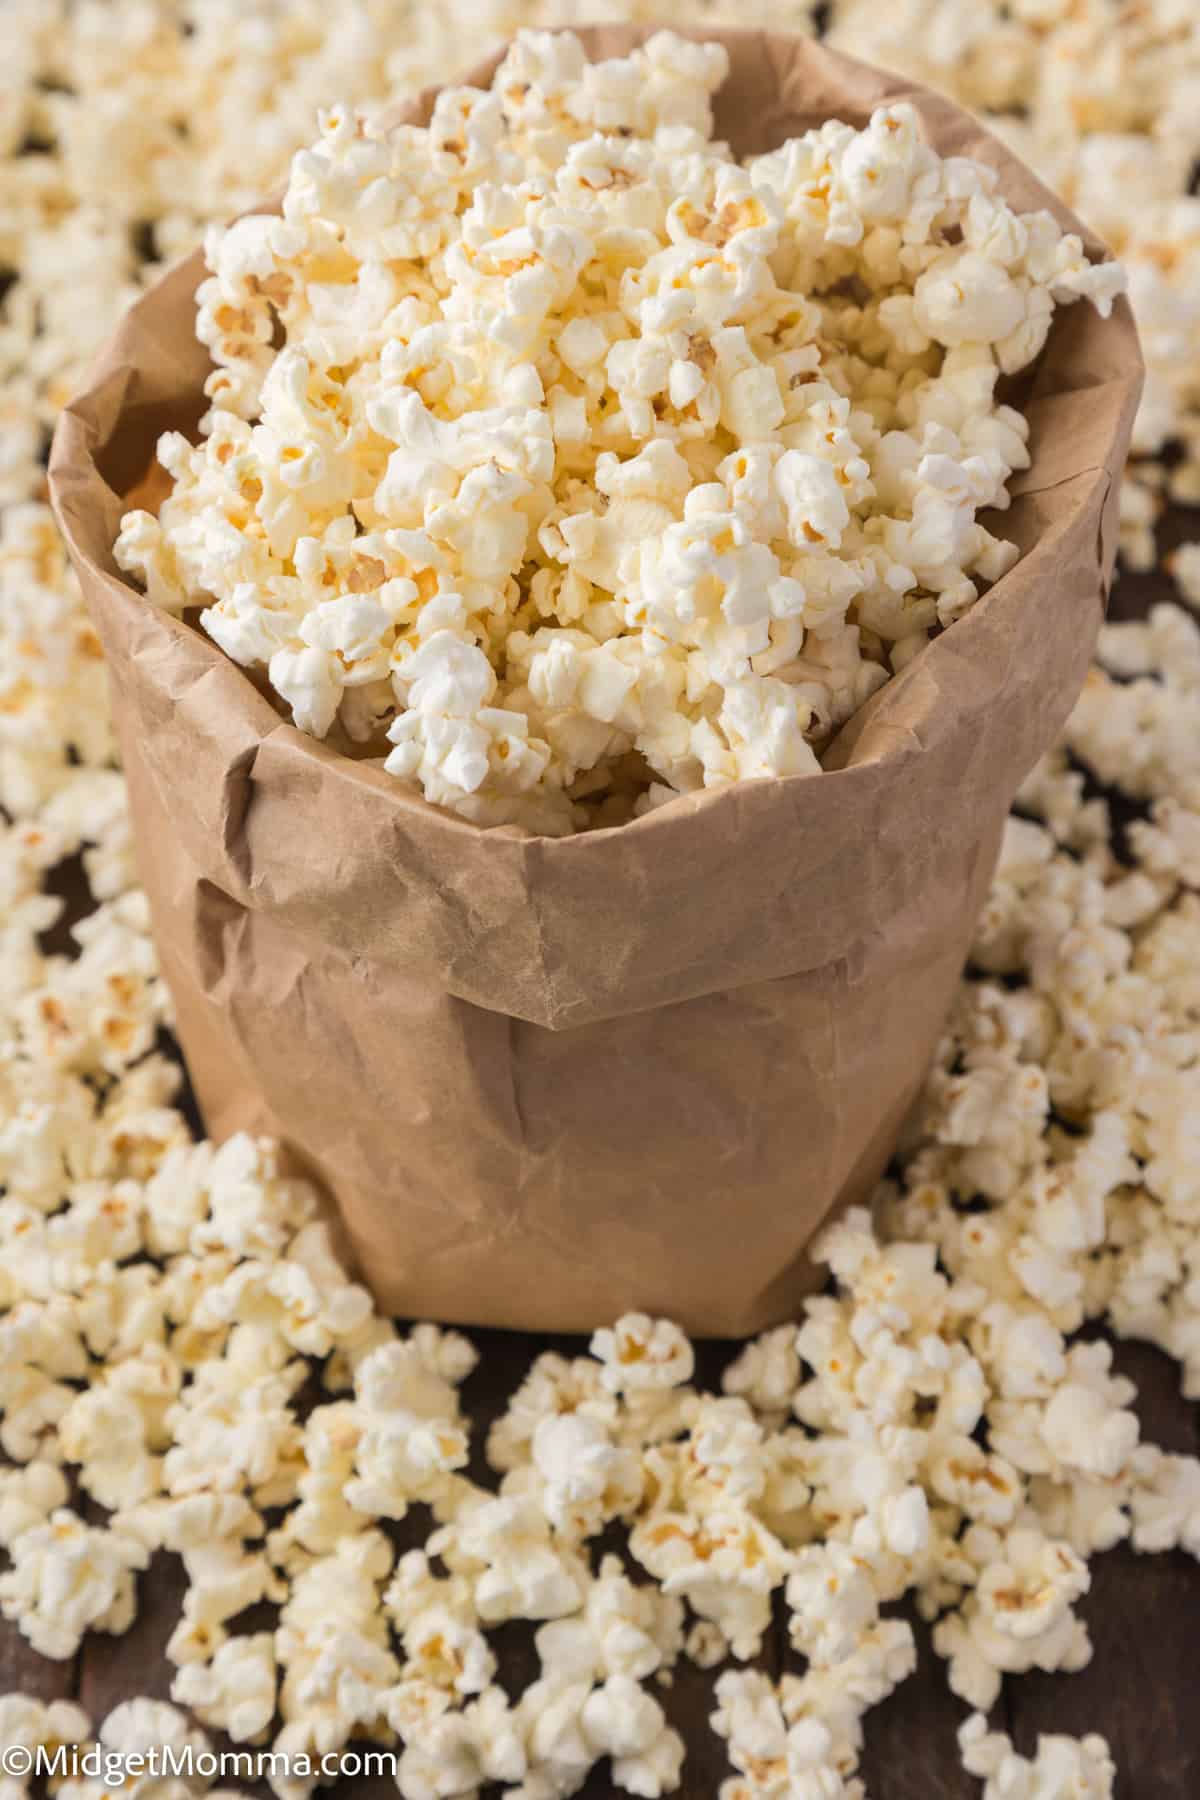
point(500, 917)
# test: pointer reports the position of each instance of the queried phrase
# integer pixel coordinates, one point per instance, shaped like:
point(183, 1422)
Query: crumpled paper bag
point(545, 1081)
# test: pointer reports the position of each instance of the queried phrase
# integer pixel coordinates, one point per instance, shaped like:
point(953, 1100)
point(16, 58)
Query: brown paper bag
point(549, 1080)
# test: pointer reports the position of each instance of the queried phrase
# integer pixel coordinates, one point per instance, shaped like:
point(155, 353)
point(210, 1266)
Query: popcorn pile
point(1103, 100)
point(185, 1369)
point(585, 465)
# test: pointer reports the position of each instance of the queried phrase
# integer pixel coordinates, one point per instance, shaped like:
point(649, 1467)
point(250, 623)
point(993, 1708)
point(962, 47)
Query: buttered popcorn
point(570, 465)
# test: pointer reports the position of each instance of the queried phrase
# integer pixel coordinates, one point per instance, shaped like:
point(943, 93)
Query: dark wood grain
point(911, 1749)
point(23, 1671)
point(114, 1669)
point(1143, 1612)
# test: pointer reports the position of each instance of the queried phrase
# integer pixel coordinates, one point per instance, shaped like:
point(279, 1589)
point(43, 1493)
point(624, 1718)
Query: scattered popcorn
point(773, 1750)
point(1077, 1767)
point(515, 1567)
point(1018, 1616)
point(411, 1437)
point(29, 1724)
point(1165, 1503)
point(235, 1692)
point(766, 1373)
point(551, 447)
point(1102, 103)
point(641, 1353)
point(67, 1578)
point(28, 1496)
point(623, 1629)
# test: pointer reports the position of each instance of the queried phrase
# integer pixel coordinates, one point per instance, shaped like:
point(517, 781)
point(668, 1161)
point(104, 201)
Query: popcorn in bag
point(550, 1078)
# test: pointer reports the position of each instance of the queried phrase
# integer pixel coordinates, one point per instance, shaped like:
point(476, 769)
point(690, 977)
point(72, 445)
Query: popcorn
point(640, 1353)
point(1019, 1615)
point(443, 1651)
point(766, 1372)
point(1062, 1765)
point(105, 1432)
point(505, 1548)
point(499, 347)
point(553, 1387)
point(832, 1603)
point(585, 1478)
point(411, 1437)
point(332, 1647)
point(1102, 123)
point(980, 1485)
point(138, 1726)
point(231, 1428)
point(706, 1645)
point(622, 1629)
point(1184, 565)
point(1081, 1432)
point(27, 1723)
point(28, 1496)
point(68, 1578)
point(235, 1692)
point(831, 1701)
point(304, 1296)
point(223, 1581)
point(725, 1564)
point(1165, 1502)
point(620, 1720)
point(460, 1751)
point(773, 1753)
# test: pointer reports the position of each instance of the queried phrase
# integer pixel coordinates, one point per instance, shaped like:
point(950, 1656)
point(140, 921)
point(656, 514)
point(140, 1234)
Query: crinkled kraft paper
point(543, 1080)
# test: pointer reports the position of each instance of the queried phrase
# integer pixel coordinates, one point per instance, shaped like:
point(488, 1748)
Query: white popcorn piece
point(28, 1496)
point(457, 1752)
point(233, 1427)
point(766, 1372)
point(773, 1752)
point(832, 1603)
point(584, 1479)
point(1184, 565)
point(105, 1432)
point(505, 1548)
point(1165, 1502)
point(553, 1387)
point(620, 1720)
point(235, 1692)
point(332, 1647)
point(28, 1724)
point(726, 1564)
point(641, 1353)
point(411, 1437)
point(706, 1645)
point(622, 1629)
point(139, 1726)
point(68, 1578)
point(1061, 1765)
point(1018, 1616)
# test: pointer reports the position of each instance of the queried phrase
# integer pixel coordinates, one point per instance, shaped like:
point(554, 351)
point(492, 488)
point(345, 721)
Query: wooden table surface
point(1143, 1611)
